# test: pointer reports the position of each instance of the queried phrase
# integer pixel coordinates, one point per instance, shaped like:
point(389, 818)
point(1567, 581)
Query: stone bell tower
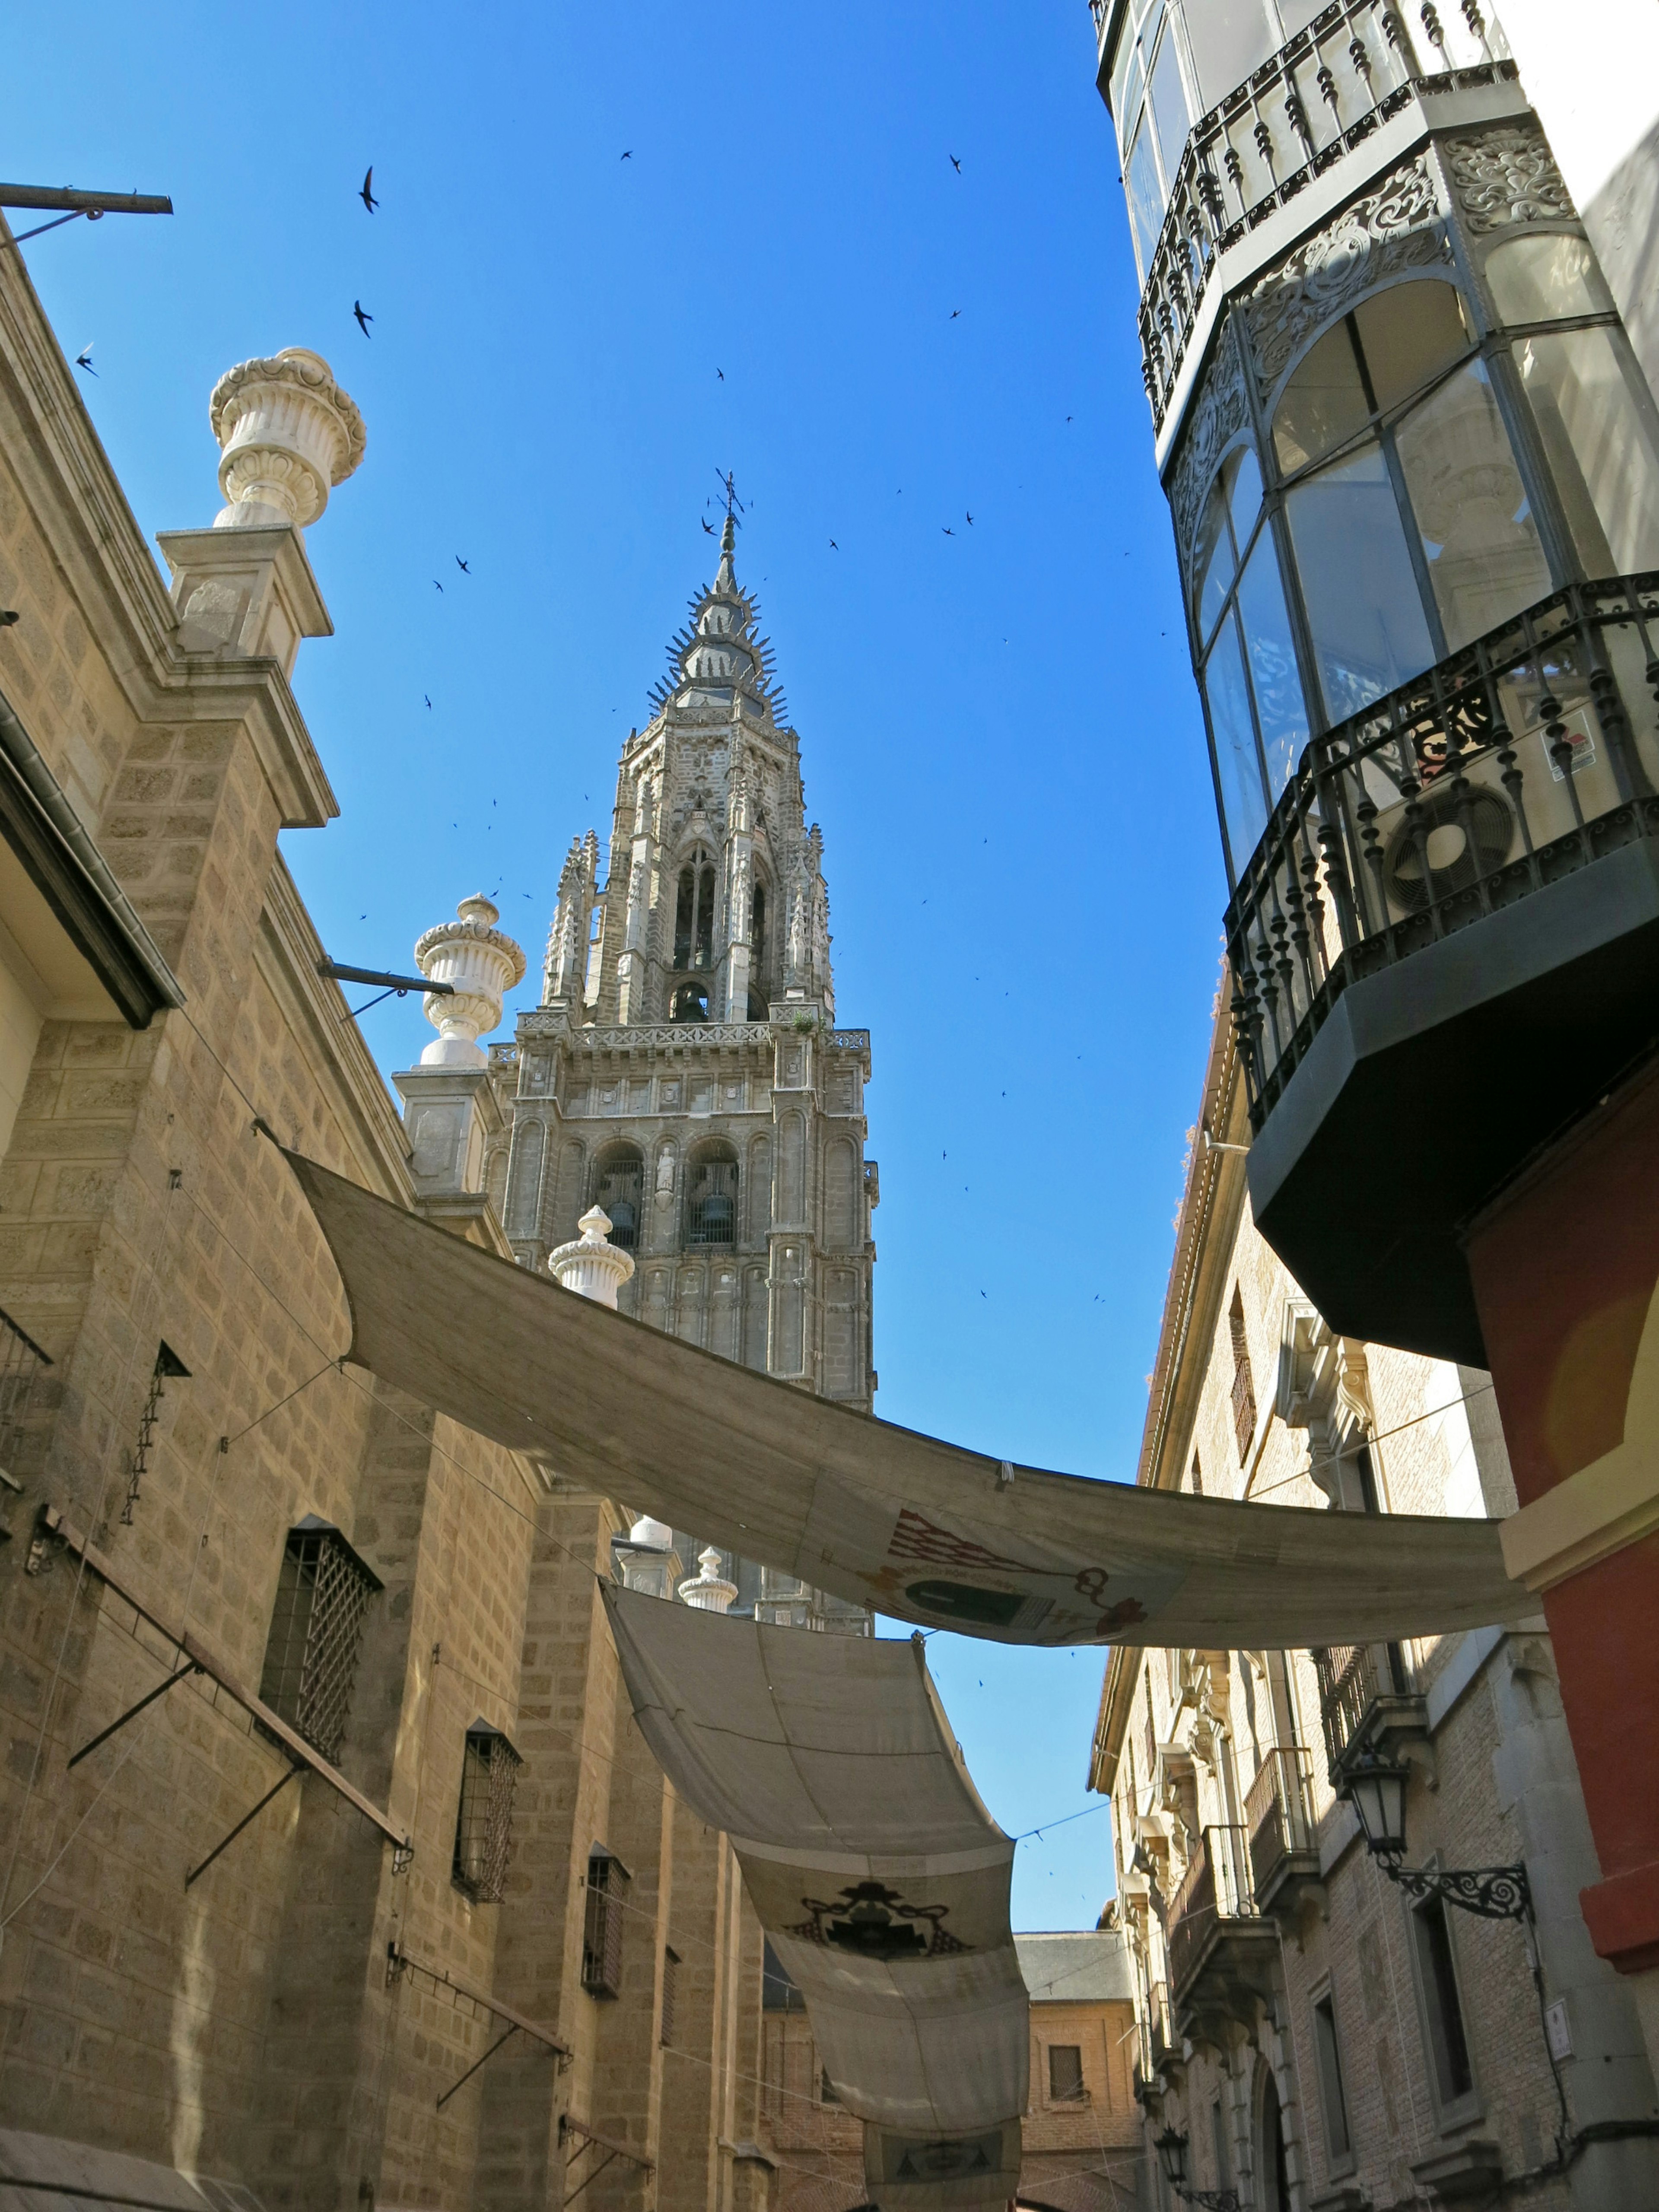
point(684, 1070)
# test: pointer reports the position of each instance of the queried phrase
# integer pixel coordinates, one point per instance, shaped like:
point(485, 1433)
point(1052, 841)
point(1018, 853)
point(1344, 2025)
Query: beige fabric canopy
point(917, 1528)
point(876, 1870)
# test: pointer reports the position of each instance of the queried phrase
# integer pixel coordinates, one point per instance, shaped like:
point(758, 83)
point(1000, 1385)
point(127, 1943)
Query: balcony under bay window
point(1284, 1839)
point(1221, 1951)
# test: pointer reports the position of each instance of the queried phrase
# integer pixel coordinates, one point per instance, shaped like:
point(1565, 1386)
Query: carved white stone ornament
point(1400, 226)
point(287, 434)
point(484, 964)
point(590, 1267)
point(1507, 176)
point(707, 1591)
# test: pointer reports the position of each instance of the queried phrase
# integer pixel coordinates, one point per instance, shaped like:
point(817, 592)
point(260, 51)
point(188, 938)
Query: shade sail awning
point(918, 1528)
point(879, 1877)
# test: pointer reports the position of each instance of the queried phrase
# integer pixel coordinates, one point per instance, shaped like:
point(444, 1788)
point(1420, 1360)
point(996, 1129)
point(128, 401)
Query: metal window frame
point(484, 1811)
point(324, 1670)
point(602, 1923)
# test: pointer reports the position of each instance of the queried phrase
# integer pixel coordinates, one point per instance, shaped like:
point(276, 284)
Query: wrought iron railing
point(1160, 2033)
point(1324, 92)
point(1216, 1888)
point(1279, 1813)
point(1520, 758)
point(1353, 1679)
point(22, 1363)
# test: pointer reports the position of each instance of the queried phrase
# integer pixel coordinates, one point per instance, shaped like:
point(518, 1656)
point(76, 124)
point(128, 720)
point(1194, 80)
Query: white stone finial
point(657, 1535)
point(590, 1267)
point(707, 1591)
point(483, 963)
point(287, 434)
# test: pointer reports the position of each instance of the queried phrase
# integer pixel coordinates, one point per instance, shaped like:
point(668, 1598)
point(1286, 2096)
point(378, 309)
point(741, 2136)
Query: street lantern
point(1376, 1790)
point(1172, 2157)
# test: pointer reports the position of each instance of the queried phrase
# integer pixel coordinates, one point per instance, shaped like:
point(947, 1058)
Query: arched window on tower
point(618, 1184)
point(711, 1196)
point(758, 930)
point(694, 913)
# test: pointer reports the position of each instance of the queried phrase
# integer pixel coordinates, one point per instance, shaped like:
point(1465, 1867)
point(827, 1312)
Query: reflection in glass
point(1238, 769)
point(1540, 278)
point(1213, 559)
point(1482, 545)
point(1324, 402)
point(1146, 197)
point(1280, 708)
point(1243, 475)
point(1409, 333)
point(1357, 582)
point(1229, 40)
point(1168, 103)
point(1601, 445)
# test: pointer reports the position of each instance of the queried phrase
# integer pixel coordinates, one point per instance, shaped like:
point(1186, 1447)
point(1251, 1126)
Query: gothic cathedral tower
point(684, 1070)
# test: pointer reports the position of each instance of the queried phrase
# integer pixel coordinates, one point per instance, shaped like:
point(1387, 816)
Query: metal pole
point(133, 1711)
point(240, 1824)
point(473, 2069)
point(60, 196)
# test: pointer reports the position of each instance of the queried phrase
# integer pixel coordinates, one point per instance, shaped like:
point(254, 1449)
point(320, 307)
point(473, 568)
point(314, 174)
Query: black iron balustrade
point(1323, 93)
point(1278, 1814)
point(1217, 1888)
point(1366, 1694)
point(1523, 757)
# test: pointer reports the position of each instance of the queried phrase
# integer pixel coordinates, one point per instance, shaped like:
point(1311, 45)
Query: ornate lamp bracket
point(1492, 1893)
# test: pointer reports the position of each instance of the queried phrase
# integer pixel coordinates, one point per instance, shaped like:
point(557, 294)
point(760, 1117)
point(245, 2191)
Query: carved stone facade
point(684, 1070)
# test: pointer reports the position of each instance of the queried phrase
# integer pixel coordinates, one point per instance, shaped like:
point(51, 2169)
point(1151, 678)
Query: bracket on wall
point(399, 1962)
point(590, 2142)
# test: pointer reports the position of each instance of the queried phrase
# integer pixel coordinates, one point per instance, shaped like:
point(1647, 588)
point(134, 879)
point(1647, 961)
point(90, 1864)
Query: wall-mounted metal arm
point(62, 196)
point(512, 2031)
point(341, 974)
point(1492, 1893)
point(247, 1820)
point(181, 1675)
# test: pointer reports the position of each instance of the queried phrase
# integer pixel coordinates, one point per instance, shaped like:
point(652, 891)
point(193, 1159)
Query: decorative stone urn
point(482, 963)
point(595, 1269)
point(287, 434)
point(707, 1591)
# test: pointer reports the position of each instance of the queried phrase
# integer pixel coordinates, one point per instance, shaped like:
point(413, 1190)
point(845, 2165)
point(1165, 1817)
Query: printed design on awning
point(874, 1921)
point(1024, 1601)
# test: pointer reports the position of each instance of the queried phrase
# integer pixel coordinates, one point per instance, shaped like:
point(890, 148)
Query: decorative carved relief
point(1396, 227)
point(1507, 176)
point(1220, 414)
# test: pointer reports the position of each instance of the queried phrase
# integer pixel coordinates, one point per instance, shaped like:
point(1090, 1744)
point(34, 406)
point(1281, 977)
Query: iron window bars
point(483, 1817)
point(618, 1188)
point(22, 1361)
point(602, 1932)
point(1508, 765)
point(316, 1626)
point(671, 1992)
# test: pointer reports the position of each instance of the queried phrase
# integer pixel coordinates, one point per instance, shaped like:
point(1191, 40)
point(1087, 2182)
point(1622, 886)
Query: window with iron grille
point(1066, 2074)
point(671, 1990)
point(617, 1185)
point(484, 1821)
point(602, 1929)
point(316, 1626)
point(711, 1199)
point(828, 2092)
point(1243, 1382)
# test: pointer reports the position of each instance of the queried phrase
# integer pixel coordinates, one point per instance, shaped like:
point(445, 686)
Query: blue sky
point(1001, 735)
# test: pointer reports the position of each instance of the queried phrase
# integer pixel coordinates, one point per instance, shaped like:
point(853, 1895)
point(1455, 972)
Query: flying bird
point(363, 320)
point(956, 165)
point(946, 528)
point(83, 359)
point(427, 696)
point(955, 312)
point(707, 524)
point(367, 195)
point(627, 156)
point(720, 372)
point(970, 524)
point(463, 566)
point(436, 586)
point(834, 548)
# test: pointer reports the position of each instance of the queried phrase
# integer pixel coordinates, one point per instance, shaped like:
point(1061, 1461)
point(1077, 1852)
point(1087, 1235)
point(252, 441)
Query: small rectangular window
point(1449, 2048)
point(483, 1819)
point(671, 1989)
point(316, 1626)
point(1066, 2075)
point(602, 1928)
point(828, 2093)
point(1331, 2095)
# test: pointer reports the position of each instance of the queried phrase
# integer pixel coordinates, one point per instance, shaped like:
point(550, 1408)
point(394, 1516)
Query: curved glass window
point(1596, 423)
point(1415, 534)
point(1258, 724)
point(1542, 277)
point(1154, 115)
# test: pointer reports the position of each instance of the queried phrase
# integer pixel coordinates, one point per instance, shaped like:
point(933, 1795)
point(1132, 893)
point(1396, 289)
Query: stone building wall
point(1184, 1738)
point(290, 2018)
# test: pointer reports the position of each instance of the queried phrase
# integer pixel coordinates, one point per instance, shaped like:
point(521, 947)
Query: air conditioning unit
point(1458, 839)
